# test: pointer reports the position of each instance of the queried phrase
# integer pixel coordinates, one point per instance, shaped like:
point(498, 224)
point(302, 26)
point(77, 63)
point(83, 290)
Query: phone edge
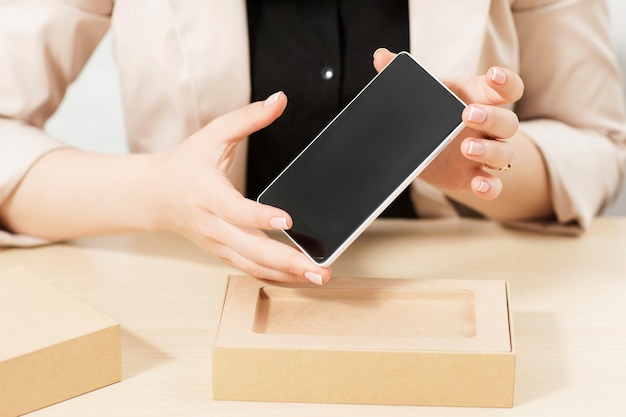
point(333, 257)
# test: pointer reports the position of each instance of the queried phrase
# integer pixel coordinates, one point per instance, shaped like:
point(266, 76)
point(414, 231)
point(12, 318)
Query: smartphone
point(365, 157)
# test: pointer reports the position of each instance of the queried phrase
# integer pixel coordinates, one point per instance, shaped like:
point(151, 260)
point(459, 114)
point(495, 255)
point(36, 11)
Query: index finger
point(498, 86)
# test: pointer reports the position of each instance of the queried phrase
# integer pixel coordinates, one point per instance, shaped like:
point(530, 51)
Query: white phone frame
point(370, 219)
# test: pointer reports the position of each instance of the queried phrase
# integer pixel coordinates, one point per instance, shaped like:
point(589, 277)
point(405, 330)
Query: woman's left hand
point(471, 161)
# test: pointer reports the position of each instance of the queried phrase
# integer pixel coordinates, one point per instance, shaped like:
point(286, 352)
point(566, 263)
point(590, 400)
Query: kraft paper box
point(366, 341)
point(52, 345)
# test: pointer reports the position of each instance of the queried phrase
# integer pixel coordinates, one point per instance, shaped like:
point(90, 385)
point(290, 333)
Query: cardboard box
point(52, 345)
point(366, 341)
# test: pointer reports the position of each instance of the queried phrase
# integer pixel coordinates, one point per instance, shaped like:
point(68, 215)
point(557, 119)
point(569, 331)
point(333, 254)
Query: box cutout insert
point(366, 312)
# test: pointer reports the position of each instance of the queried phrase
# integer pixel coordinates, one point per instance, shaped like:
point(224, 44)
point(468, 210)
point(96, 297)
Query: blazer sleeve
point(44, 44)
point(573, 106)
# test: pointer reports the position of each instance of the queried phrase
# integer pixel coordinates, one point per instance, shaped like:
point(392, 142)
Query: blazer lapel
point(447, 36)
point(213, 36)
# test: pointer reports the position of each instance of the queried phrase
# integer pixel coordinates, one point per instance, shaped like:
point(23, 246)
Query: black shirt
point(320, 54)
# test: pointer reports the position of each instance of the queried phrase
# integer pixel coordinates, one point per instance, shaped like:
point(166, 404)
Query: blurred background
point(91, 118)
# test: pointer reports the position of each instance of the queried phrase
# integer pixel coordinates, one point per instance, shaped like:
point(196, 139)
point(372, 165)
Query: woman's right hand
point(198, 201)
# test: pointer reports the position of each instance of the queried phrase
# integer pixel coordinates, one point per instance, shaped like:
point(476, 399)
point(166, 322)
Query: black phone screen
point(363, 158)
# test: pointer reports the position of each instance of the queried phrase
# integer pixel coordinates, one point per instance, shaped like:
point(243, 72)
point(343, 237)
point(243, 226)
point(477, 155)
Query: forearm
point(526, 193)
point(69, 193)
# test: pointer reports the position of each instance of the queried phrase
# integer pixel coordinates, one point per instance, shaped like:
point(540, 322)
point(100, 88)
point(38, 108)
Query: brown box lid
point(52, 345)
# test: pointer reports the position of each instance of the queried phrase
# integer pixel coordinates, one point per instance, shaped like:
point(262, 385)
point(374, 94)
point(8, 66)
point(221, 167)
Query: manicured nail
point(376, 51)
point(476, 148)
point(477, 114)
point(272, 99)
point(279, 223)
point(498, 76)
point(483, 187)
point(314, 277)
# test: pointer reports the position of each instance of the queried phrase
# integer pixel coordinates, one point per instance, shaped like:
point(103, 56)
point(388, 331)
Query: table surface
point(567, 300)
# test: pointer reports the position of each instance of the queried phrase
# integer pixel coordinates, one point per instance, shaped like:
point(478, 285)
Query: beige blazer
point(182, 63)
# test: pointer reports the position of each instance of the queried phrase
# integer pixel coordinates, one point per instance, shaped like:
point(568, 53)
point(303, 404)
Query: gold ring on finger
point(503, 168)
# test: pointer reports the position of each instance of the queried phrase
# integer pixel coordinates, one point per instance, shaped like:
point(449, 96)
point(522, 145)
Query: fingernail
point(279, 223)
point(314, 277)
point(498, 76)
point(376, 51)
point(483, 187)
point(476, 148)
point(272, 99)
point(477, 114)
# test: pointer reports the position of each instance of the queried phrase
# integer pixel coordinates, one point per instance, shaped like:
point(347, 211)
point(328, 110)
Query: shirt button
point(327, 73)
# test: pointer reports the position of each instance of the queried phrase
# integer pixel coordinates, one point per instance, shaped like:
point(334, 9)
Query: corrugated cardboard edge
point(512, 336)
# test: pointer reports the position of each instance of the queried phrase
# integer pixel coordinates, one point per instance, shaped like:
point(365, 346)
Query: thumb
point(382, 57)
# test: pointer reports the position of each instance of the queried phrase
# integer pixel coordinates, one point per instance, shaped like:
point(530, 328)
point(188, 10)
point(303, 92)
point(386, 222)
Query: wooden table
point(568, 301)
